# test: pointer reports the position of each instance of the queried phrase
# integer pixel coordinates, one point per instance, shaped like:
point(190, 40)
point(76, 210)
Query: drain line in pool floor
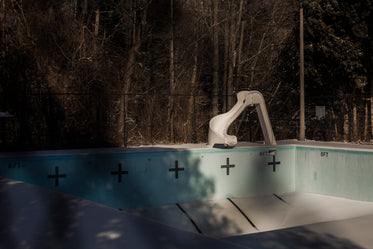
point(278, 197)
point(239, 209)
point(190, 218)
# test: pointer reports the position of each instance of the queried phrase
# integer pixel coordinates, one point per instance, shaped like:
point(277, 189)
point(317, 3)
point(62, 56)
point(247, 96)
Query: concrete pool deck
point(194, 147)
point(34, 217)
point(280, 143)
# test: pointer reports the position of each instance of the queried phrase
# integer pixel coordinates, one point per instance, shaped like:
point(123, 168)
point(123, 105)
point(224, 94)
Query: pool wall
point(337, 172)
point(127, 179)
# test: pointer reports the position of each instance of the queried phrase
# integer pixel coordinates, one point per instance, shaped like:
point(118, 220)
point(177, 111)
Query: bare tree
point(136, 40)
point(215, 63)
point(170, 109)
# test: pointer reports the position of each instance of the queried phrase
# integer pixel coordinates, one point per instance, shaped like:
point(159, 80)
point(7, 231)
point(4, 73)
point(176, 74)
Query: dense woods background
point(85, 73)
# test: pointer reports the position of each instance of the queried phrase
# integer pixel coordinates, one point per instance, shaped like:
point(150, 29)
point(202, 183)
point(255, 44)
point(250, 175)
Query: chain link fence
point(75, 120)
point(84, 120)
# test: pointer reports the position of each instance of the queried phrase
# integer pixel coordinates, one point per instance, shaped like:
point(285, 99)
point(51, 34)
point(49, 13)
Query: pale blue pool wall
point(149, 182)
point(344, 173)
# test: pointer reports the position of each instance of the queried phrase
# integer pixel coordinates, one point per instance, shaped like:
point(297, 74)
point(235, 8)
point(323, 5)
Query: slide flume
point(219, 124)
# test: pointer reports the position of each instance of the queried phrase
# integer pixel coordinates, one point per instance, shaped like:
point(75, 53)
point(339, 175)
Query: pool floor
point(34, 217)
point(236, 216)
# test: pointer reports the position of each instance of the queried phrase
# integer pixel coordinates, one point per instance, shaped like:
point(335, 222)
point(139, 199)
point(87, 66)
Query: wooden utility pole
point(302, 131)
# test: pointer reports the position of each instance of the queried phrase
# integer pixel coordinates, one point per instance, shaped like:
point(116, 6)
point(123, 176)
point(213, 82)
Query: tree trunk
point(226, 60)
point(346, 125)
point(239, 70)
point(215, 64)
point(355, 123)
point(97, 22)
point(150, 114)
point(75, 7)
point(366, 123)
point(253, 66)
point(239, 59)
point(170, 114)
point(134, 21)
point(335, 126)
point(3, 35)
point(128, 74)
point(234, 32)
point(371, 108)
point(124, 98)
point(231, 65)
point(230, 72)
point(191, 106)
point(240, 26)
point(85, 7)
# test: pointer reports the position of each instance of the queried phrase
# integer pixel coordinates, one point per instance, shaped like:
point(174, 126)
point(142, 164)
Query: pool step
point(237, 216)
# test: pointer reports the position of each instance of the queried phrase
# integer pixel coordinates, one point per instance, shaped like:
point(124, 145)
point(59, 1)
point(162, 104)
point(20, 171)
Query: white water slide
point(219, 124)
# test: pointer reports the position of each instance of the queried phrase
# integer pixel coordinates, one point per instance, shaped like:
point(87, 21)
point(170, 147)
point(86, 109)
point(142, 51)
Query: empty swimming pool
point(216, 192)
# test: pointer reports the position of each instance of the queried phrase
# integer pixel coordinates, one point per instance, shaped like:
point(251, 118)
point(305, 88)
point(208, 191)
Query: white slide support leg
point(219, 124)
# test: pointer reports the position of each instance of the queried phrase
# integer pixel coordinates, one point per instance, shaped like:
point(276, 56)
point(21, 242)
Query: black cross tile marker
point(274, 163)
point(227, 166)
point(176, 169)
point(120, 172)
point(57, 176)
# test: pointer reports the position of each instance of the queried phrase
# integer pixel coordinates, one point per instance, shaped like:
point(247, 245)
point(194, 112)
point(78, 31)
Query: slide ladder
point(219, 124)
